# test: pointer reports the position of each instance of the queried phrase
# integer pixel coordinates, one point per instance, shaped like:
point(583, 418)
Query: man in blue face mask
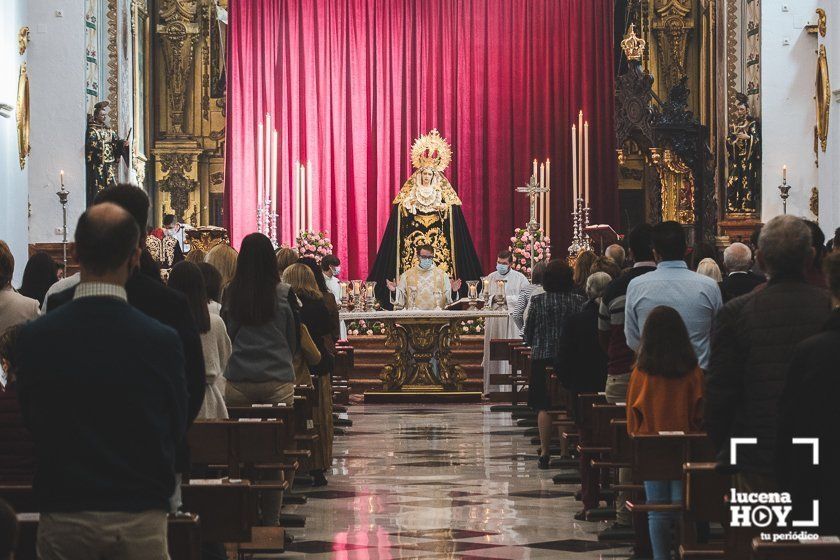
point(514, 283)
point(433, 285)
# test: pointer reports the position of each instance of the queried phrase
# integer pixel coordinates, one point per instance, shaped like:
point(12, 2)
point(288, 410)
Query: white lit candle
point(548, 196)
point(574, 168)
point(784, 172)
point(586, 162)
point(580, 154)
point(260, 171)
point(310, 196)
point(534, 174)
point(61, 176)
point(267, 182)
point(273, 193)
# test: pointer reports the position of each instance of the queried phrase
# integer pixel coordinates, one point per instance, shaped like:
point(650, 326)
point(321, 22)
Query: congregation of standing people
point(688, 339)
point(132, 354)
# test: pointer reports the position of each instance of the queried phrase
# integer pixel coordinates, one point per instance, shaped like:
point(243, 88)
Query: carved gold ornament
point(23, 116)
point(633, 45)
point(823, 98)
point(23, 39)
point(432, 151)
point(821, 22)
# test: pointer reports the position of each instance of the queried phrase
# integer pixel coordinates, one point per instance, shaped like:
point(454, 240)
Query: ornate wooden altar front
point(422, 342)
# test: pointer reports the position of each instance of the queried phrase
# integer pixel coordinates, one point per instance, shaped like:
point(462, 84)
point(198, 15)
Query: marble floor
point(441, 481)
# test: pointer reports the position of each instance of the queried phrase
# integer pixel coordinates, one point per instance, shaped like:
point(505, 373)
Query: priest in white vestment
point(331, 267)
point(502, 327)
point(432, 285)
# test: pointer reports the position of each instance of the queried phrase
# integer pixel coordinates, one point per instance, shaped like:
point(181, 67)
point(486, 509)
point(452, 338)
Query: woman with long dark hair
point(40, 273)
point(261, 326)
point(186, 278)
point(316, 320)
point(665, 394)
point(262, 329)
point(327, 296)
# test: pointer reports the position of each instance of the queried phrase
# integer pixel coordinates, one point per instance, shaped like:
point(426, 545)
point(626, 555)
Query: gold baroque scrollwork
point(23, 39)
point(822, 22)
point(23, 116)
point(677, 186)
point(823, 98)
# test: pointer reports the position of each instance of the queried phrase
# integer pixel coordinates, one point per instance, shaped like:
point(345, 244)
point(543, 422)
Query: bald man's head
point(106, 240)
point(616, 253)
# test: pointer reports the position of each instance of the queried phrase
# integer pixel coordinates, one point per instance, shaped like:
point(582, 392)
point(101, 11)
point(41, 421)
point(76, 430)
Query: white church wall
point(57, 78)
point(13, 180)
point(787, 104)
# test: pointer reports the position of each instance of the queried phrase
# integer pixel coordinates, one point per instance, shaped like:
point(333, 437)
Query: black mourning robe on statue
point(446, 231)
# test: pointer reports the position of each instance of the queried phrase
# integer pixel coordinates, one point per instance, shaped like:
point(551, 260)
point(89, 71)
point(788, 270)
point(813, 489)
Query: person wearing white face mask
point(331, 267)
point(433, 285)
point(173, 228)
point(502, 327)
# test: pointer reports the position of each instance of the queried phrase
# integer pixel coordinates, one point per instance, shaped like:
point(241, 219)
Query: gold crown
point(632, 45)
point(432, 151)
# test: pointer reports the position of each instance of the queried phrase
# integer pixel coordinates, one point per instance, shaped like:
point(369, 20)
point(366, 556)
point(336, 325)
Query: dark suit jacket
point(808, 409)
point(101, 388)
point(581, 363)
point(753, 339)
point(151, 297)
point(738, 284)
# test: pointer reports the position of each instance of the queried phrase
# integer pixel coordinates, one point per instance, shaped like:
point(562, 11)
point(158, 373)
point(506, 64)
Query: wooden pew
point(183, 536)
point(811, 550)
point(704, 490)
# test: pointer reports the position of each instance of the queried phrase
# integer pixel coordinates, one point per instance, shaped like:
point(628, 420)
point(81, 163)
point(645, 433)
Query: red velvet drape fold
point(351, 83)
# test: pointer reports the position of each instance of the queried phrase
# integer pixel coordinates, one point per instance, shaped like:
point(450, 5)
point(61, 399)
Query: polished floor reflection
point(453, 481)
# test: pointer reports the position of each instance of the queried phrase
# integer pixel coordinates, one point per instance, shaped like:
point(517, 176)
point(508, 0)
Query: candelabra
point(62, 198)
point(580, 221)
point(784, 193)
point(267, 221)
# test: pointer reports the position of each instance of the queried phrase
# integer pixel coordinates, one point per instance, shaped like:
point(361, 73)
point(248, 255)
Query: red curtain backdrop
point(351, 83)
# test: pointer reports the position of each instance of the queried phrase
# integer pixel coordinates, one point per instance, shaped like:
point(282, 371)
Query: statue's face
point(101, 115)
point(426, 177)
point(741, 111)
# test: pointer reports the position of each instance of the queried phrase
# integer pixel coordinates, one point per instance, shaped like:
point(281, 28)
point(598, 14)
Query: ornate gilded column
point(178, 28)
point(671, 27)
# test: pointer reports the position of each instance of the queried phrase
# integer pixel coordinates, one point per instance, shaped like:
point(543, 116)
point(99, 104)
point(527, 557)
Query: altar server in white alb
point(331, 267)
point(502, 327)
point(433, 286)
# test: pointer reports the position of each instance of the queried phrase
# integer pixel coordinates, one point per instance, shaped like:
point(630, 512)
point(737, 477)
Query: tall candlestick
point(267, 182)
point(580, 154)
point(273, 177)
point(547, 196)
point(310, 196)
point(586, 161)
point(260, 172)
point(542, 195)
point(574, 168)
point(295, 201)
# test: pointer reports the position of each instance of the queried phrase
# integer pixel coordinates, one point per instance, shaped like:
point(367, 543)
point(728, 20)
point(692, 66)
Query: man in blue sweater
point(103, 391)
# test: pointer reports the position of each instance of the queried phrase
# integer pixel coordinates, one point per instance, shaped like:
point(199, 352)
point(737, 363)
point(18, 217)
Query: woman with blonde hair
point(315, 325)
point(286, 257)
point(223, 258)
point(709, 267)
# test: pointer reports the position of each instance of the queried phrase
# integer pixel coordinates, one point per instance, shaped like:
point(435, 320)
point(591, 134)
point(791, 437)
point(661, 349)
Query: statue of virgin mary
point(427, 211)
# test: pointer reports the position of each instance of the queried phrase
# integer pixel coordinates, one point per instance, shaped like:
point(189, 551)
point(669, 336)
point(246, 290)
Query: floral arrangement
point(520, 246)
point(314, 244)
point(473, 326)
point(362, 328)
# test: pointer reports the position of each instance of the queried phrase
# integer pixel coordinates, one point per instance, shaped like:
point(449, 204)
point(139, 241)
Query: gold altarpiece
point(188, 108)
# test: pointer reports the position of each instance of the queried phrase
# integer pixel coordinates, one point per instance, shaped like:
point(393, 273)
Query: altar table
point(422, 342)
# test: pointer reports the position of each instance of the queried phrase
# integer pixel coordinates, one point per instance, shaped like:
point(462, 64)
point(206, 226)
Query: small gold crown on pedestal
point(632, 45)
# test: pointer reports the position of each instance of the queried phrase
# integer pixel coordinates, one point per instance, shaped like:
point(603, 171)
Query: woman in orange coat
point(665, 394)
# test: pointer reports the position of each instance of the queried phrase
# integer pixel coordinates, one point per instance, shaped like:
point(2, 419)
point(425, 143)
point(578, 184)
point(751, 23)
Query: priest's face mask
point(426, 176)
point(427, 259)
